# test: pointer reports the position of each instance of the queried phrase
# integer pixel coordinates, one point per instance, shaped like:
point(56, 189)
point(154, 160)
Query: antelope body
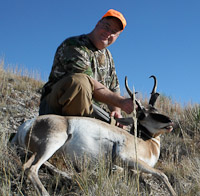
point(77, 137)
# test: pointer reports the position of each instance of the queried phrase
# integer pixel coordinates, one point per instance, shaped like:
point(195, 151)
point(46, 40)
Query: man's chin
point(104, 43)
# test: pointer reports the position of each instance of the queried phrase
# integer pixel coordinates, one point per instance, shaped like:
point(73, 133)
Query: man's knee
point(72, 95)
point(83, 81)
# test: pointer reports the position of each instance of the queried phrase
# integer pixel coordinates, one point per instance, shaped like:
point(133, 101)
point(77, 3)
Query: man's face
point(107, 31)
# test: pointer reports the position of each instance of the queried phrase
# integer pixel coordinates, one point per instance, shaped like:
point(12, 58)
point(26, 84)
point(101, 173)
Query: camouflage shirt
point(79, 55)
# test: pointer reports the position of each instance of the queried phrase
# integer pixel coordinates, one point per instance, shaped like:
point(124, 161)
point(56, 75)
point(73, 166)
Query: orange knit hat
point(116, 14)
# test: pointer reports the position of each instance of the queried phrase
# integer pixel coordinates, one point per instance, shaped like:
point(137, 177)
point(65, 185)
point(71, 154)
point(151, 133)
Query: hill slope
point(180, 151)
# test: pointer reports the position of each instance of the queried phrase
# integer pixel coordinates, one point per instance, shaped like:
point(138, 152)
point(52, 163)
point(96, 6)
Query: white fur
point(88, 138)
point(22, 130)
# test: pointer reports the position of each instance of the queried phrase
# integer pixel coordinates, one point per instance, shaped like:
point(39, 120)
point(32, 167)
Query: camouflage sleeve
point(71, 59)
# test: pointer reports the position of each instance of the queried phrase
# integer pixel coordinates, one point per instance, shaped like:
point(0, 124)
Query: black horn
point(154, 94)
point(128, 89)
point(131, 94)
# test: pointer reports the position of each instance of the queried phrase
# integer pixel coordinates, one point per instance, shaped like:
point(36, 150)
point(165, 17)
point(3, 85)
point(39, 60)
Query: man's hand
point(114, 99)
point(117, 114)
point(127, 105)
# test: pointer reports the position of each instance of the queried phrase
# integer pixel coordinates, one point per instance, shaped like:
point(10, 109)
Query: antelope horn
point(131, 94)
point(128, 89)
point(154, 94)
point(155, 84)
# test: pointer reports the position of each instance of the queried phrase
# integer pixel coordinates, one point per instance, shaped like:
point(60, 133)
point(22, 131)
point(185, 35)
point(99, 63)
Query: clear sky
point(162, 38)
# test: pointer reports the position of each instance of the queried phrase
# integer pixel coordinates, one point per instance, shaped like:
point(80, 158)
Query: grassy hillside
point(179, 159)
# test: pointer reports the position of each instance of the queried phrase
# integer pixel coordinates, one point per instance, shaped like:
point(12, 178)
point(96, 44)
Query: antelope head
point(150, 121)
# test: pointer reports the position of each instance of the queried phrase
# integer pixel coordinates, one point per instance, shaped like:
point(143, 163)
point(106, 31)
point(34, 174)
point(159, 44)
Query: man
point(83, 73)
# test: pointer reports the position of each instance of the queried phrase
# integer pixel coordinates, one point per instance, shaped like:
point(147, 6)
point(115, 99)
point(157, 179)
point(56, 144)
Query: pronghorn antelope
point(80, 136)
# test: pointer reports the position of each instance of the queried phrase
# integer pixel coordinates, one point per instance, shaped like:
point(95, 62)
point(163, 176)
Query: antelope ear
point(125, 121)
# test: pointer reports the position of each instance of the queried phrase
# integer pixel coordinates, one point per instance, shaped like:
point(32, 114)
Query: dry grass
point(180, 152)
point(16, 79)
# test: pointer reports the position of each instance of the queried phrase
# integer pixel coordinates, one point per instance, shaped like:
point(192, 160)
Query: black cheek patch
point(160, 118)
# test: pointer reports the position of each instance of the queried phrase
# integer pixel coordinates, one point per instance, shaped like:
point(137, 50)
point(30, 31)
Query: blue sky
point(162, 38)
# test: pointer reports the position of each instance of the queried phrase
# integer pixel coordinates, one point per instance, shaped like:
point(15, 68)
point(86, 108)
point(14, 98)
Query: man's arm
point(114, 100)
